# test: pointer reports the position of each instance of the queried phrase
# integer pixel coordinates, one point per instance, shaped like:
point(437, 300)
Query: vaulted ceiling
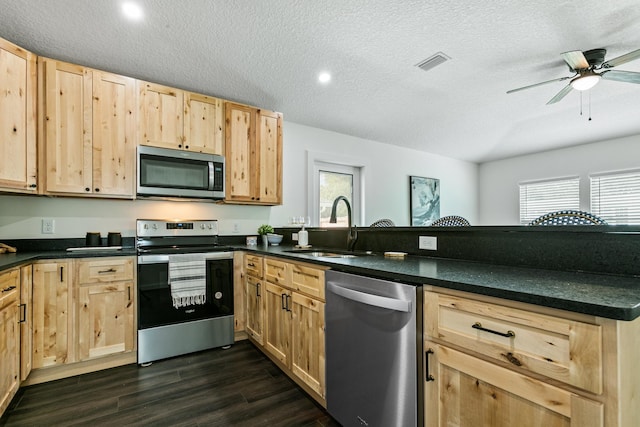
point(269, 54)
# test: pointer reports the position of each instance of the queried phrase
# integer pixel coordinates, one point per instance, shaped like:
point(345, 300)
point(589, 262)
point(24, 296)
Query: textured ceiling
point(269, 53)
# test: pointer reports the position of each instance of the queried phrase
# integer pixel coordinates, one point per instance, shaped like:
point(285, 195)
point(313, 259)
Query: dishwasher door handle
point(370, 299)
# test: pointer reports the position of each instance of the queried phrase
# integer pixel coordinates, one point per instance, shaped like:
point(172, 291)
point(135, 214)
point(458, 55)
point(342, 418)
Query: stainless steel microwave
point(163, 172)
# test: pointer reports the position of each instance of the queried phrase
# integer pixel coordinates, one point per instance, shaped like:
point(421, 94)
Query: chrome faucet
point(352, 236)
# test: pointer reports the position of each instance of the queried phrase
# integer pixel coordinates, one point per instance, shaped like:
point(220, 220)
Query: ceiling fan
point(587, 67)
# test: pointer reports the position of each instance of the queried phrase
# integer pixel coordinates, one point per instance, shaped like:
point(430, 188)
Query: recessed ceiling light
point(324, 77)
point(132, 11)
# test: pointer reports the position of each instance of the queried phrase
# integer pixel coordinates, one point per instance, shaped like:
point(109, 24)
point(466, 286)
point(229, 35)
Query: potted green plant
point(263, 230)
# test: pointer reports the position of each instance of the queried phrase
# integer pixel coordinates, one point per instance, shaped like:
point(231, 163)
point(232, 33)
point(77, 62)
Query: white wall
point(386, 193)
point(499, 193)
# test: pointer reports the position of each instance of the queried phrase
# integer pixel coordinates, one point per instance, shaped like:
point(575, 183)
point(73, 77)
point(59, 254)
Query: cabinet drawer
point(277, 272)
point(9, 287)
point(253, 265)
point(105, 270)
point(308, 280)
point(562, 349)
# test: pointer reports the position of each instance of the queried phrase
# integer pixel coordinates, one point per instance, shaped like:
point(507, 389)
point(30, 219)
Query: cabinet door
point(52, 327)
point(113, 134)
point(17, 118)
point(9, 352)
point(277, 327)
point(240, 153)
point(307, 341)
point(203, 124)
point(255, 309)
point(105, 319)
point(67, 127)
point(160, 115)
point(269, 142)
point(26, 322)
point(9, 337)
point(466, 391)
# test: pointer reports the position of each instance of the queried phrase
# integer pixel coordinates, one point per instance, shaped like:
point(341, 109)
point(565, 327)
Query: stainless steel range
point(185, 288)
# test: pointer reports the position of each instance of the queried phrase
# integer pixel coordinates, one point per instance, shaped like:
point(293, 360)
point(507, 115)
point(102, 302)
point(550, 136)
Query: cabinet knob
point(32, 186)
point(87, 189)
point(179, 145)
point(97, 190)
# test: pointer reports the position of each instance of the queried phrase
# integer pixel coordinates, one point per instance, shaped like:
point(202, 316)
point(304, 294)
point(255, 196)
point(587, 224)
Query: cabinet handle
point(258, 290)
point(10, 288)
point(62, 273)
point(33, 186)
point(283, 301)
point(288, 302)
point(111, 270)
point(428, 376)
point(509, 334)
point(24, 313)
point(251, 264)
point(129, 293)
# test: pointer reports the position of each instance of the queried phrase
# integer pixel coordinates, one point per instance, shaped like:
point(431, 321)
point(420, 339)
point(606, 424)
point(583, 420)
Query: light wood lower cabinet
point(288, 306)
point(26, 323)
point(52, 314)
point(9, 336)
point(106, 323)
point(499, 363)
point(83, 316)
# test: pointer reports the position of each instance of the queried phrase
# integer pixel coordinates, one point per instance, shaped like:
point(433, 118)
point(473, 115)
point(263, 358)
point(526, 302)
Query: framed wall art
point(424, 200)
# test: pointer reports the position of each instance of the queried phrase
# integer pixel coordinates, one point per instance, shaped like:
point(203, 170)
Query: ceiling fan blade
point(538, 84)
point(565, 90)
point(628, 57)
point(621, 76)
point(575, 60)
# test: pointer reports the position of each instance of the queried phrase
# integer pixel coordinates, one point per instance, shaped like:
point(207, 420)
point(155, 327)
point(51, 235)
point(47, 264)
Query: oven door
point(155, 305)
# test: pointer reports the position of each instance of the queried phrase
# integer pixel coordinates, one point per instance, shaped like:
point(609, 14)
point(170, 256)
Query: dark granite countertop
point(8, 260)
point(610, 296)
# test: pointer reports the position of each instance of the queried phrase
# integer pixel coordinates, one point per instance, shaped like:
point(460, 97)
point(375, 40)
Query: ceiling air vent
point(433, 61)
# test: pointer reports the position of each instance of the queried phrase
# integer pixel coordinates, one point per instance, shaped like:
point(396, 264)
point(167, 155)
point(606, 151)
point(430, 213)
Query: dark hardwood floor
point(235, 387)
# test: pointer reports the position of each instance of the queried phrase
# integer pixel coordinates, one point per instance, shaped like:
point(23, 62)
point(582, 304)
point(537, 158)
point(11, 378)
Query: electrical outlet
point(294, 237)
point(48, 226)
point(428, 242)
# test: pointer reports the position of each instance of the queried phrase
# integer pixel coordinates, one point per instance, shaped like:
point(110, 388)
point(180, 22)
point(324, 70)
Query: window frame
point(338, 164)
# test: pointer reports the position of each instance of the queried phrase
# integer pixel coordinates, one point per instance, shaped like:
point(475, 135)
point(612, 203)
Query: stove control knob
point(146, 226)
point(155, 226)
point(202, 226)
point(209, 226)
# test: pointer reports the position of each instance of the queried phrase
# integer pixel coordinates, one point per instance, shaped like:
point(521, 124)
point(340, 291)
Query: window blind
point(615, 197)
point(541, 197)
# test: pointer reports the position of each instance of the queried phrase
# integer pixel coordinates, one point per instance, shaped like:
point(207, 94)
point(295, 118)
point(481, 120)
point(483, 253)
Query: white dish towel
point(187, 277)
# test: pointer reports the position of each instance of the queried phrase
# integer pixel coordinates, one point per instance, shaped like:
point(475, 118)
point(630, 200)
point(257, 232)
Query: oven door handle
point(164, 259)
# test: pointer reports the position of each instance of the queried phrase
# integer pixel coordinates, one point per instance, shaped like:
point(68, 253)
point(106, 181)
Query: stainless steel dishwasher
point(373, 338)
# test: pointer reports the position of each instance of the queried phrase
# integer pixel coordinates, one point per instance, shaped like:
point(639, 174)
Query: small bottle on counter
point(303, 237)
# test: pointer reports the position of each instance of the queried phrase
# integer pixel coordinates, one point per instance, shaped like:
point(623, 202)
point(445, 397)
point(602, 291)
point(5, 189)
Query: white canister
point(303, 237)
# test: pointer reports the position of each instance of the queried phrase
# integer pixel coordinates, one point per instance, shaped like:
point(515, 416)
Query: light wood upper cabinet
point(203, 123)
point(253, 147)
point(52, 314)
point(88, 131)
point(17, 119)
point(177, 119)
point(9, 336)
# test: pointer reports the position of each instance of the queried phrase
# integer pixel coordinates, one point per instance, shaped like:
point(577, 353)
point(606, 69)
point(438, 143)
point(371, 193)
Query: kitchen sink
point(324, 253)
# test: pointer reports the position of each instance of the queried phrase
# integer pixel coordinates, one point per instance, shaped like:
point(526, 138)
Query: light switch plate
point(428, 242)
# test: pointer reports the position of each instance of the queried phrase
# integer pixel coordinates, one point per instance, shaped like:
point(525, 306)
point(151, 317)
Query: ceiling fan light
point(585, 81)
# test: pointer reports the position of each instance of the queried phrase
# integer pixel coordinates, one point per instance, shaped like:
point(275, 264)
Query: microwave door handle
point(211, 176)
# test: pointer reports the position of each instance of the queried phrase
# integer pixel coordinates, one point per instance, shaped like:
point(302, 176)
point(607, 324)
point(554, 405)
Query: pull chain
point(589, 105)
point(580, 102)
